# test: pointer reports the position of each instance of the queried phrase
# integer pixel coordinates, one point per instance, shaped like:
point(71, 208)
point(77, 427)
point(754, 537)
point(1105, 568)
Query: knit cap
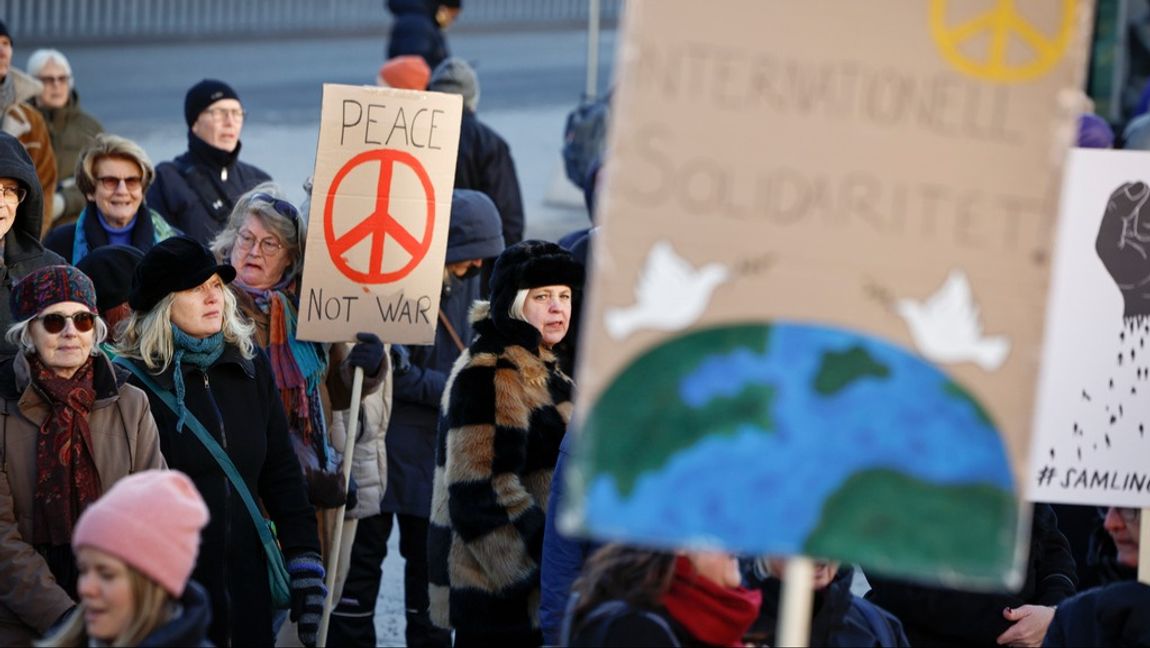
point(408, 72)
point(4, 32)
point(50, 285)
point(455, 76)
point(150, 520)
point(204, 94)
point(1094, 132)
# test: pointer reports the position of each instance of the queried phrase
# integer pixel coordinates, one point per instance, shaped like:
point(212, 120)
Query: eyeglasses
point(1130, 516)
point(268, 247)
point(218, 114)
point(14, 194)
point(111, 183)
point(53, 80)
point(55, 322)
point(283, 208)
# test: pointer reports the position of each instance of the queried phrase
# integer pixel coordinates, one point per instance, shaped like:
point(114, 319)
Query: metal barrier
point(35, 22)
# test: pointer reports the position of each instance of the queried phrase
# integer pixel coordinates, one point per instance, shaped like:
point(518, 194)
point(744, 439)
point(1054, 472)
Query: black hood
point(424, 7)
point(475, 231)
point(23, 240)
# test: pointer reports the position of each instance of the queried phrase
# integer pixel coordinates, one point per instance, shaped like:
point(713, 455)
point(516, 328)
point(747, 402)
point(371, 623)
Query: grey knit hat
point(455, 76)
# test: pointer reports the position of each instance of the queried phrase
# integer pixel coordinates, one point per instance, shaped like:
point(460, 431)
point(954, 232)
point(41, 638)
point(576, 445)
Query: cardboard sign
point(381, 202)
point(816, 305)
point(1092, 420)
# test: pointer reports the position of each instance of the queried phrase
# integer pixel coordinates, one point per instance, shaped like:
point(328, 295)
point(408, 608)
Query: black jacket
point(416, 32)
point(196, 191)
point(614, 623)
point(484, 164)
point(237, 401)
point(1111, 615)
point(190, 628)
point(840, 617)
point(22, 250)
point(935, 616)
point(62, 240)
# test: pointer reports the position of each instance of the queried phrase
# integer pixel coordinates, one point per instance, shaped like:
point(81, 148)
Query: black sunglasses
point(283, 208)
point(55, 322)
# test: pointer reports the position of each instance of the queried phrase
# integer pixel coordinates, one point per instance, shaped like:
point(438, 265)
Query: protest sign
point(814, 315)
point(1093, 412)
point(380, 206)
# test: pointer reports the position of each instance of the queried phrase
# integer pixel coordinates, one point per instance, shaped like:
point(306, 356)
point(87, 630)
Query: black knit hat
point(111, 267)
point(174, 264)
point(204, 94)
point(4, 32)
point(531, 264)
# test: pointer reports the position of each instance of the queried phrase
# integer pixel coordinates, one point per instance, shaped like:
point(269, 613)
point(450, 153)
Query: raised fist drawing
point(1123, 244)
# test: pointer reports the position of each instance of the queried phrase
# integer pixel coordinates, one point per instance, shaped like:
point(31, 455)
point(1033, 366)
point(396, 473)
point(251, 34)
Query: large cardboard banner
point(380, 205)
point(816, 306)
point(1091, 442)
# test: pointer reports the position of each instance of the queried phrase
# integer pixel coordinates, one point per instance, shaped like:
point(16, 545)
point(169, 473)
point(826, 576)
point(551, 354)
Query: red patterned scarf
point(66, 477)
point(713, 614)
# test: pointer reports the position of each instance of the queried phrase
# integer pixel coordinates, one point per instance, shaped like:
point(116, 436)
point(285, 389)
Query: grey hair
point(20, 334)
point(42, 57)
point(515, 311)
point(291, 234)
point(148, 336)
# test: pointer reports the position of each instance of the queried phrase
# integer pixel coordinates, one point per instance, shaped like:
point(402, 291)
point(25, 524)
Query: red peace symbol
point(379, 225)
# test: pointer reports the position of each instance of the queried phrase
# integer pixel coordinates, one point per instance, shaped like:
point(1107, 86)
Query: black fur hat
point(530, 264)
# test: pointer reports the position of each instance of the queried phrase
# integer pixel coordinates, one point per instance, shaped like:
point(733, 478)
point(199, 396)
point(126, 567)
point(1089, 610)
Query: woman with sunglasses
point(71, 427)
point(113, 173)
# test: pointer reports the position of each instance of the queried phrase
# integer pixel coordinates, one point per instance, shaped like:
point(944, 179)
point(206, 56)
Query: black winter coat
point(237, 401)
point(614, 623)
point(1111, 615)
point(22, 250)
point(221, 179)
point(416, 32)
point(62, 239)
point(942, 617)
point(485, 165)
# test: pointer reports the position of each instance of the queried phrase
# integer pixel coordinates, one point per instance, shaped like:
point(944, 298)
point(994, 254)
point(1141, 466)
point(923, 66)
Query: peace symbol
point(380, 225)
point(1000, 25)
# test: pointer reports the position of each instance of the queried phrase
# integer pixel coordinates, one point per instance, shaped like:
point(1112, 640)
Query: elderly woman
point(70, 128)
point(506, 408)
point(187, 345)
point(71, 427)
point(263, 241)
point(113, 173)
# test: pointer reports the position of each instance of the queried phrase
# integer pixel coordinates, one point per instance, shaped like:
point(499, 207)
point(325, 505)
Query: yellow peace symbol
point(1000, 25)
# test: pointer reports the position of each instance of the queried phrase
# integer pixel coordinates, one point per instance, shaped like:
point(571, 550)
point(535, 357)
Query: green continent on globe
point(921, 527)
point(840, 370)
point(953, 389)
point(641, 421)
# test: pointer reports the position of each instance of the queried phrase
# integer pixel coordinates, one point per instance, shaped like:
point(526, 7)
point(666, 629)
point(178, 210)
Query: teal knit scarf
point(198, 352)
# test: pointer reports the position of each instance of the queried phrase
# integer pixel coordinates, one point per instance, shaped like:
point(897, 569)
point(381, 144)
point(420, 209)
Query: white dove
point(670, 294)
point(946, 327)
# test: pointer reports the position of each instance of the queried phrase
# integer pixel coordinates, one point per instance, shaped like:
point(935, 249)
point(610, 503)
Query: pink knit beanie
point(151, 520)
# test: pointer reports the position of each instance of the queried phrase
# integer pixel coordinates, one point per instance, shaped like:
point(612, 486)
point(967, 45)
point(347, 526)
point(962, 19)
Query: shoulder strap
point(451, 330)
point(216, 202)
point(211, 444)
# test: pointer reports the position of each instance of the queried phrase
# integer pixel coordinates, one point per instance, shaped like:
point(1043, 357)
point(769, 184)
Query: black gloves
point(367, 354)
point(307, 594)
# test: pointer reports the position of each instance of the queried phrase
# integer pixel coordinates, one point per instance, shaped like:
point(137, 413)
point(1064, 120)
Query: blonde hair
point(19, 334)
point(152, 605)
point(148, 336)
point(105, 145)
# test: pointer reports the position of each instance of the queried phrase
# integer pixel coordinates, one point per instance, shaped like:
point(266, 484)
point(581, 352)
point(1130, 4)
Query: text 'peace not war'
point(395, 308)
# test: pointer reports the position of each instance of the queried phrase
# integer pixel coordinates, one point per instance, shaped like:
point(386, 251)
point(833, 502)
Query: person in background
point(506, 407)
point(113, 173)
point(25, 123)
point(936, 616)
point(110, 268)
point(135, 549)
point(629, 596)
point(71, 129)
point(418, 28)
point(21, 209)
point(484, 160)
point(1116, 613)
point(838, 617)
point(420, 373)
point(186, 337)
point(407, 72)
point(197, 190)
point(61, 392)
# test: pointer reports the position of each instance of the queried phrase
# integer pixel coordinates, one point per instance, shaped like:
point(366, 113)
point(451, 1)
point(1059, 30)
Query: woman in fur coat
point(506, 408)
